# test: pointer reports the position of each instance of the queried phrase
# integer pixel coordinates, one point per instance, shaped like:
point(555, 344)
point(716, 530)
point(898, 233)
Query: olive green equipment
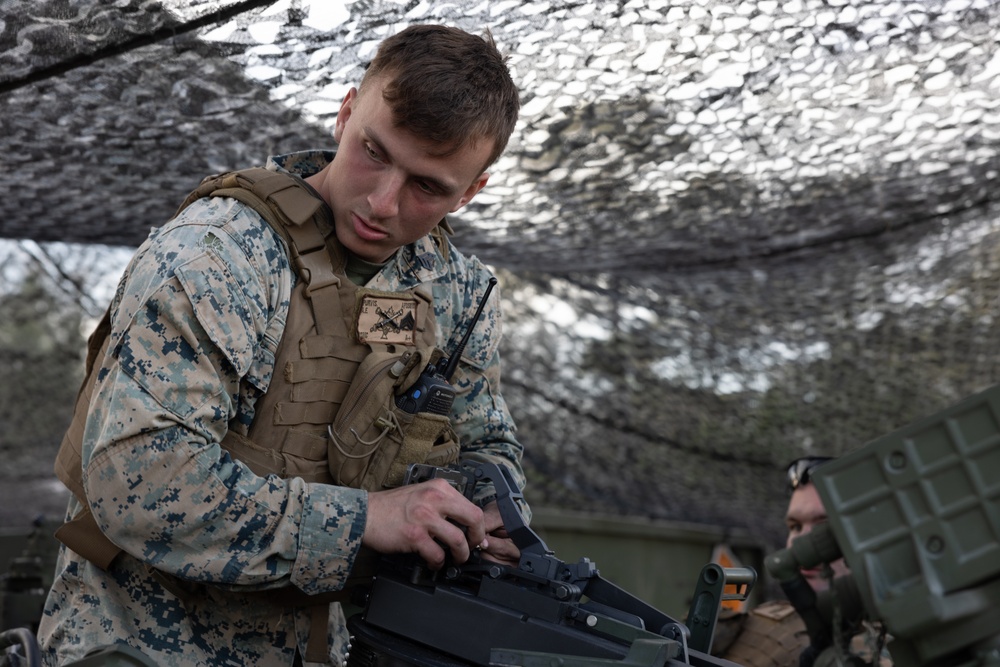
point(915, 515)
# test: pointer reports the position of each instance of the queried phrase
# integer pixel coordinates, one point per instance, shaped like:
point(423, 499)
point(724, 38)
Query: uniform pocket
point(221, 308)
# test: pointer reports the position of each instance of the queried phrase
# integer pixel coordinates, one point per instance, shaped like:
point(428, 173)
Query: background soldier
point(772, 634)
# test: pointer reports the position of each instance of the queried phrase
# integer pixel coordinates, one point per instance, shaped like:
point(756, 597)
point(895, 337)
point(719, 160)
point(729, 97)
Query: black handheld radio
point(433, 392)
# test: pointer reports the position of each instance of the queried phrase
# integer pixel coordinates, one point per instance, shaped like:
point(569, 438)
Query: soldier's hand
point(414, 518)
point(499, 547)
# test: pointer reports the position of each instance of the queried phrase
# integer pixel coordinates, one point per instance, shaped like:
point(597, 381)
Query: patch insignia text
point(387, 319)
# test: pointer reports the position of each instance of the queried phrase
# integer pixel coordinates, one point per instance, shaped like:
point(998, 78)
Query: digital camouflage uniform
point(196, 323)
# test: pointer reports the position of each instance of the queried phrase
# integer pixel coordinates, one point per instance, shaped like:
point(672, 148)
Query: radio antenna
point(449, 370)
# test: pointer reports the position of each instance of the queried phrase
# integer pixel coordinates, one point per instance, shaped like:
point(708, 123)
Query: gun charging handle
point(708, 597)
point(507, 495)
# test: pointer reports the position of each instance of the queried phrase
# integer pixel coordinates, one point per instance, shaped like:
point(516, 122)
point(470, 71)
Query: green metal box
point(917, 516)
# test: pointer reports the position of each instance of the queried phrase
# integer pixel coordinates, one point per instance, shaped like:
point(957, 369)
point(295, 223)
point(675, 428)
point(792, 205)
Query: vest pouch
point(420, 435)
point(372, 441)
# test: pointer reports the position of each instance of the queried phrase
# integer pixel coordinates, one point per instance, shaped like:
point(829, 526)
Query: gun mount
point(916, 516)
point(541, 612)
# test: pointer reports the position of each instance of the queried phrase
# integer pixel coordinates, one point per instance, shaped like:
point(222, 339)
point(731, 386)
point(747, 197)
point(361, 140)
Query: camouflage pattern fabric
point(770, 635)
point(871, 642)
point(196, 322)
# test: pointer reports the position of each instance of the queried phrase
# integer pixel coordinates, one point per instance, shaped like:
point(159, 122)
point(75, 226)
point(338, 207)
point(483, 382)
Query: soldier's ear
point(344, 114)
point(472, 190)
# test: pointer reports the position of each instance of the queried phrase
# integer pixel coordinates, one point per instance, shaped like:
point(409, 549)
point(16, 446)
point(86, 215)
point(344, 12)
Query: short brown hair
point(448, 86)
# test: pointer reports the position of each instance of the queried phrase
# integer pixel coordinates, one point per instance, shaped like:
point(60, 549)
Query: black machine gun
point(541, 612)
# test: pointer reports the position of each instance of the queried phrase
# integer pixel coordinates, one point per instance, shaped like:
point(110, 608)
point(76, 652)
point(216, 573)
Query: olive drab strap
point(82, 534)
point(287, 206)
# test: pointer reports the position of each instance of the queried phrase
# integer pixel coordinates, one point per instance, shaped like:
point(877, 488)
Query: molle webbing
point(311, 378)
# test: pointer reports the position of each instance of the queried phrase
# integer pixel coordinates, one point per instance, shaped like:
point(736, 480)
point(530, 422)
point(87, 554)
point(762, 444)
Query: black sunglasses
point(799, 470)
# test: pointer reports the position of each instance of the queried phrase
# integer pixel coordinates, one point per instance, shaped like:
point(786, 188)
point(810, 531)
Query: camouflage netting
point(729, 233)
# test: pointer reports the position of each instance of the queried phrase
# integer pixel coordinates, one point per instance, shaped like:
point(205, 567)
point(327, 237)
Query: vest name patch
point(387, 319)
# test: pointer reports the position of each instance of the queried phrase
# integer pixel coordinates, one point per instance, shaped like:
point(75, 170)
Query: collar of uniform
point(419, 262)
point(301, 163)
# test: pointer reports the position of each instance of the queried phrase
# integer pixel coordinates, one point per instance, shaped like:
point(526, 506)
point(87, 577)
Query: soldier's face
point(805, 511)
point(386, 186)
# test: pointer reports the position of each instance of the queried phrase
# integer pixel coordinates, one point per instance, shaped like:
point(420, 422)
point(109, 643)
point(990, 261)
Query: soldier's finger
point(453, 538)
point(503, 551)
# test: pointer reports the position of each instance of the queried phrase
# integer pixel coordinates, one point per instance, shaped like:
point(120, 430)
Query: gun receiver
point(433, 392)
point(541, 612)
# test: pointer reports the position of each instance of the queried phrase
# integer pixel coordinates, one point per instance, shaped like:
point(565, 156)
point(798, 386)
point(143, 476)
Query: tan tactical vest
point(770, 635)
point(340, 342)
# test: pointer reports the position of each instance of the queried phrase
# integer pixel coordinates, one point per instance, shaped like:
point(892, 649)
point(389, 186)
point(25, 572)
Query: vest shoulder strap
point(280, 199)
point(285, 199)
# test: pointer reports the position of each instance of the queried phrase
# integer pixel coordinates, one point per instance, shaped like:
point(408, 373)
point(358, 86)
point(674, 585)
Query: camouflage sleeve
point(480, 415)
point(199, 310)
